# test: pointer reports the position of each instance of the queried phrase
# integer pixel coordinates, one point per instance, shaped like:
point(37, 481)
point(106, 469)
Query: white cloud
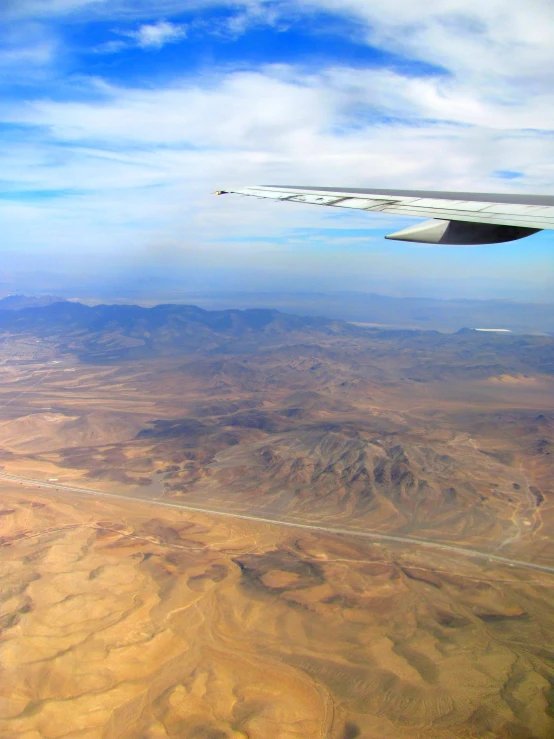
point(156, 35)
point(279, 109)
point(497, 37)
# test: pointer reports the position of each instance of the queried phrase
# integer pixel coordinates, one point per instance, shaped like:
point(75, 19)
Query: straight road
point(293, 524)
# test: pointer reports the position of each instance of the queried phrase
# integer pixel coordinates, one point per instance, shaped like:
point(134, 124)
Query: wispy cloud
point(113, 9)
point(35, 55)
point(149, 36)
point(26, 49)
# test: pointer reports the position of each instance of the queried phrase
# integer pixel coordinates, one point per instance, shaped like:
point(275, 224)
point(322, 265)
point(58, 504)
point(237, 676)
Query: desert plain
point(247, 524)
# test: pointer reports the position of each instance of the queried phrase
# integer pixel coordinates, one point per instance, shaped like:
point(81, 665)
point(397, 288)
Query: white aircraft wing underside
point(526, 214)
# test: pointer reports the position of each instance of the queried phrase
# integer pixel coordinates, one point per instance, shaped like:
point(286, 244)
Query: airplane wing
point(457, 217)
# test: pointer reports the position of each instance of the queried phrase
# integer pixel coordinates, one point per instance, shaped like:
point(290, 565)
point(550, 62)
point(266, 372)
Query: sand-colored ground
point(124, 620)
point(121, 621)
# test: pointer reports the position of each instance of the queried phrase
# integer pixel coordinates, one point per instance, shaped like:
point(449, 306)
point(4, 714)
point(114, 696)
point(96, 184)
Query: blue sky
point(118, 118)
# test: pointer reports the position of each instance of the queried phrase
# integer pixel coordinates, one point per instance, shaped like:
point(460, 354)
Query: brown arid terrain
point(286, 527)
point(123, 620)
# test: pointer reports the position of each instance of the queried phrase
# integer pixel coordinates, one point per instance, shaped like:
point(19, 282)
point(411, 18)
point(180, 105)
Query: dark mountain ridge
point(64, 316)
point(108, 333)
point(118, 332)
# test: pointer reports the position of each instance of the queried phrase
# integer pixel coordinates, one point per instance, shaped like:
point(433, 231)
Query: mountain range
point(114, 333)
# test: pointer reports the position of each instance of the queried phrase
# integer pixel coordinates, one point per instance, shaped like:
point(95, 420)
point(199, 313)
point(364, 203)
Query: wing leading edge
point(457, 217)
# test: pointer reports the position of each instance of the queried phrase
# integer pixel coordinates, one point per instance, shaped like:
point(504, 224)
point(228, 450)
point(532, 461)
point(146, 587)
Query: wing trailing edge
point(457, 218)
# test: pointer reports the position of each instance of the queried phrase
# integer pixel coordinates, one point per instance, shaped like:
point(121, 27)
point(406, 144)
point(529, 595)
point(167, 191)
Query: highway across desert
point(283, 522)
